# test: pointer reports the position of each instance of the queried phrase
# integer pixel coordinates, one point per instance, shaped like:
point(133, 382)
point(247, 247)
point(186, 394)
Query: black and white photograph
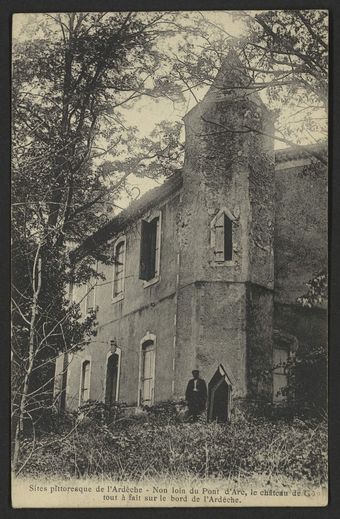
point(169, 255)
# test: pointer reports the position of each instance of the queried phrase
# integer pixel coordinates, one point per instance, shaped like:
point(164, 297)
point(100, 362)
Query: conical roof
point(231, 83)
point(232, 80)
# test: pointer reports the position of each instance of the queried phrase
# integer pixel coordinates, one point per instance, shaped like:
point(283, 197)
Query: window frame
point(157, 276)
point(149, 337)
point(224, 211)
point(86, 360)
point(121, 295)
point(117, 352)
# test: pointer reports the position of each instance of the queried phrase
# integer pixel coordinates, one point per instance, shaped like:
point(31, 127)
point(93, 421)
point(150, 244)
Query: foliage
point(101, 412)
point(69, 82)
point(307, 368)
point(284, 55)
point(317, 292)
point(139, 447)
point(308, 379)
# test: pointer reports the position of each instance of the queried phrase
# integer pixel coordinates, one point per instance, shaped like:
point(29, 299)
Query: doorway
point(219, 396)
point(111, 389)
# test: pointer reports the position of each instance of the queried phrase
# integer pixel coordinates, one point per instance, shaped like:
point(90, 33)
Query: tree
point(284, 57)
point(307, 367)
point(68, 85)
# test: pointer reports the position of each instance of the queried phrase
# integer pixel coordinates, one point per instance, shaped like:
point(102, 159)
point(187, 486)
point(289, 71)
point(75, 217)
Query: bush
point(153, 445)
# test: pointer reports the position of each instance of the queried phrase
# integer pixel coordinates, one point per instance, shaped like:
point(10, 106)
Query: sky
point(145, 113)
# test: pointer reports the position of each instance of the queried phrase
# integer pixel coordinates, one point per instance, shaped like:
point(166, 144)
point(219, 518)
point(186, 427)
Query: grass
point(158, 446)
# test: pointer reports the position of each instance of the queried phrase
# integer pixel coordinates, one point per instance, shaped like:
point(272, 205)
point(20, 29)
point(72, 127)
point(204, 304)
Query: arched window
point(119, 268)
point(147, 384)
point(85, 382)
point(222, 236)
point(112, 376)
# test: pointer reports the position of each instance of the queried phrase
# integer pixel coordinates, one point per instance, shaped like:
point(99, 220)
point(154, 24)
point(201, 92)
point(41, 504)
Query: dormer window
point(222, 236)
point(150, 249)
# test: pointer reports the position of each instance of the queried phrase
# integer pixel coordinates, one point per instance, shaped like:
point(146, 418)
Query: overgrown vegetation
point(159, 443)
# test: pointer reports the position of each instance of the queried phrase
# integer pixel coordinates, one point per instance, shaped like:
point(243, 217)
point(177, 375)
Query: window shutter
point(219, 239)
point(144, 250)
point(152, 250)
point(228, 239)
point(148, 249)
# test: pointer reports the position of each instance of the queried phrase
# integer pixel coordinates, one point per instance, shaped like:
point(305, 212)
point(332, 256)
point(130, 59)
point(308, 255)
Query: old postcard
point(169, 259)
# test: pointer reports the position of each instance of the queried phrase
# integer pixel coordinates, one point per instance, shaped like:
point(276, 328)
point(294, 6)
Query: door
point(111, 379)
point(220, 403)
point(219, 396)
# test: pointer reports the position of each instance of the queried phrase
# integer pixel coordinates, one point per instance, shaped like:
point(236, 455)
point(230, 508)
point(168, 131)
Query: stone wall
point(204, 313)
point(143, 309)
point(301, 227)
point(222, 316)
point(211, 329)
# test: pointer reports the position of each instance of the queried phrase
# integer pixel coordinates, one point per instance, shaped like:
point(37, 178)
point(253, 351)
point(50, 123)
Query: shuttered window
point(149, 249)
point(118, 281)
point(223, 238)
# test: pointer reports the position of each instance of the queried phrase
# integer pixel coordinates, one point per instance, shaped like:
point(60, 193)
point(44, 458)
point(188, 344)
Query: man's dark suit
point(196, 396)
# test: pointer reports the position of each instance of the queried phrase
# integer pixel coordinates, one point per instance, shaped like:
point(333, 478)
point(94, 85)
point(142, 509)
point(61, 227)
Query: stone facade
point(200, 309)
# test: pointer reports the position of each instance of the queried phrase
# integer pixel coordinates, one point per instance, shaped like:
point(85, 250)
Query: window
point(150, 249)
point(147, 373)
point(280, 377)
point(85, 382)
point(90, 293)
point(111, 389)
point(222, 236)
point(119, 268)
point(90, 297)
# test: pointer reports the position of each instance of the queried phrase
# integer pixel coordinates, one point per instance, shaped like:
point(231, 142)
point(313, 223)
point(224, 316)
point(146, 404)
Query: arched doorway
point(219, 396)
point(111, 390)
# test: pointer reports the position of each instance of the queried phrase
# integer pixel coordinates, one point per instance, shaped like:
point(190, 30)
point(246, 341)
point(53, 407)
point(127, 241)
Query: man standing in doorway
point(196, 395)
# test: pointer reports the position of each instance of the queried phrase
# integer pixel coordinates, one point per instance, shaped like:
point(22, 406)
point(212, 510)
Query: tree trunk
point(36, 283)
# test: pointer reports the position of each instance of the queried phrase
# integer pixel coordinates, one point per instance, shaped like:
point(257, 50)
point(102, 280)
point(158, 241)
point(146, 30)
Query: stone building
point(209, 265)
